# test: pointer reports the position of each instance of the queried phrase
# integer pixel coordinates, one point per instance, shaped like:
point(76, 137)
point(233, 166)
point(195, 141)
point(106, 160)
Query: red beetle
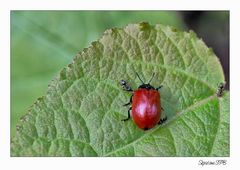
point(146, 105)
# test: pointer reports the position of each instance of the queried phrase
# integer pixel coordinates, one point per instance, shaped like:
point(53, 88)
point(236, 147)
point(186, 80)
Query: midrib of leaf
point(219, 122)
point(215, 135)
point(191, 107)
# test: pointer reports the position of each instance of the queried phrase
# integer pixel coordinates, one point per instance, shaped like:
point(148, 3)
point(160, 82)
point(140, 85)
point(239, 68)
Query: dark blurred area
point(213, 28)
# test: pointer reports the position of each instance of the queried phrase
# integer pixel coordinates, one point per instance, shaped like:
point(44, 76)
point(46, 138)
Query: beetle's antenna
point(151, 78)
point(139, 78)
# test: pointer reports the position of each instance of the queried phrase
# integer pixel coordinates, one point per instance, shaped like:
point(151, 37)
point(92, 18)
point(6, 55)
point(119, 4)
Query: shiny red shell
point(146, 108)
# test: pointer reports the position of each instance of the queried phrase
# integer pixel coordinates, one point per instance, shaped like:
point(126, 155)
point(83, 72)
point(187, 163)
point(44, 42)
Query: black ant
point(220, 89)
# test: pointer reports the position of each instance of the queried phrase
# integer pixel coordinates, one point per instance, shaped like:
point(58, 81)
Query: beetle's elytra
point(146, 104)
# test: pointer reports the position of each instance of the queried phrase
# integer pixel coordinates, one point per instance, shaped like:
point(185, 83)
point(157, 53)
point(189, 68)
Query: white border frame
point(7, 162)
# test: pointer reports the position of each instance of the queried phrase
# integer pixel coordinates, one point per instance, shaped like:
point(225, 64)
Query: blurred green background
point(43, 42)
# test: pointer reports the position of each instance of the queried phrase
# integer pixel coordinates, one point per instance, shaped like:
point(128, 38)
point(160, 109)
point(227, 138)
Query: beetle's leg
point(162, 120)
point(127, 104)
point(126, 86)
point(128, 114)
point(159, 87)
point(162, 109)
point(129, 101)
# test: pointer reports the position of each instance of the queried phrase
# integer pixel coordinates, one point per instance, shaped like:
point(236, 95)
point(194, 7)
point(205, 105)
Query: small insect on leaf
point(220, 89)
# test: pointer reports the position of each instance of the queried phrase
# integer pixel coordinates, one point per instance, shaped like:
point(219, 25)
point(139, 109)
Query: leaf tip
point(144, 26)
point(94, 43)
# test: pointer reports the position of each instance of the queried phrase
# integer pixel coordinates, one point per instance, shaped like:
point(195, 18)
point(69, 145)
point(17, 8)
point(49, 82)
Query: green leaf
point(82, 111)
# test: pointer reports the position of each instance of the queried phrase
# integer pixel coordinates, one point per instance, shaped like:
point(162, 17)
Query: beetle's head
point(146, 85)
